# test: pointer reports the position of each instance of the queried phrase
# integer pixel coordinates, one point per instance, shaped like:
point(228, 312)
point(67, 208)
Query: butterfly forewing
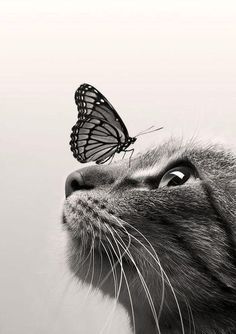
point(90, 102)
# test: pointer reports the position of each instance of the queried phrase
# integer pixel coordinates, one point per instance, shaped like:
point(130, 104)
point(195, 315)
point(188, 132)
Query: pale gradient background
point(164, 63)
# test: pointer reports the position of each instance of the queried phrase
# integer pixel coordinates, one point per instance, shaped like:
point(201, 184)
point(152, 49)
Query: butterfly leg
point(132, 150)
point(111, 158)
point(104, 161)
point(124, 155)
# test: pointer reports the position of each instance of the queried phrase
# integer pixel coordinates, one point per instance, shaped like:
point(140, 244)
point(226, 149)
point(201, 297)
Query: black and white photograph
point(118, 167)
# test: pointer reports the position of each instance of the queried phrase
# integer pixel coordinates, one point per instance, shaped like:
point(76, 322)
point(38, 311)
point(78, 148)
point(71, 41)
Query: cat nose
point(91, 177)
point(75, 181)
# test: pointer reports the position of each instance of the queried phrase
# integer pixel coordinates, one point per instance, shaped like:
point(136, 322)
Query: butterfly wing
point(94, 139)
point(90, 102)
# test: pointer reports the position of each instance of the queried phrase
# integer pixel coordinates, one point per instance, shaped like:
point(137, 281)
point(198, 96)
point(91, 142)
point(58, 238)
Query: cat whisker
point(158, 262)
point(123, 273)
point(117, 293)
point(93, 257)
point(161, 273)
point(83, 250)
point(91, 260)
point(140, 275)
point(146, 289)
point(108, 274)
point(82, 245)
point(113, 269)
point(81, 264)
point(191, 318)
point(115, 264)
point(167, 278)
point(100, 253)
point(76, 271)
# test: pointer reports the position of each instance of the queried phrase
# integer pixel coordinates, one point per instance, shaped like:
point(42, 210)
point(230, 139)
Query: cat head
point(160, 229)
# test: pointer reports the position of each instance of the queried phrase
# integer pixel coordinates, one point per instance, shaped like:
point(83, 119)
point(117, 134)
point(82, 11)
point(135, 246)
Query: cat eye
point(177, 176)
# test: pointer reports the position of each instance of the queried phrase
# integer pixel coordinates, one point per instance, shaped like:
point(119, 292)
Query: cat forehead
point(209, 158)
point(151, 167)
point(144, 172)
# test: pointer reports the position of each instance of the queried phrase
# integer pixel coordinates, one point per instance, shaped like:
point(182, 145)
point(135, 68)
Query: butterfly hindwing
point(94, 139)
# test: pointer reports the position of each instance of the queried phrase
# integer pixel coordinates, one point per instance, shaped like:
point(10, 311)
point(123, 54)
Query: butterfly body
point(99, 132)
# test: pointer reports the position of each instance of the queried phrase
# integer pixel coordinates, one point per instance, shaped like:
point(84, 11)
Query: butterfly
point(99, 132)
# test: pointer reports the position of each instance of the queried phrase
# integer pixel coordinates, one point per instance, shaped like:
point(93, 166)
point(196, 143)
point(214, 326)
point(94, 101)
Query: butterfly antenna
point(148, 131)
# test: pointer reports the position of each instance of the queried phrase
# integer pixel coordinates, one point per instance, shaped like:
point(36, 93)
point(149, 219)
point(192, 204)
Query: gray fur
point(192, 228)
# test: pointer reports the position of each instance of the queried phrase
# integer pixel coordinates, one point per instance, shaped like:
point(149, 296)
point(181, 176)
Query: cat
point(158, 233)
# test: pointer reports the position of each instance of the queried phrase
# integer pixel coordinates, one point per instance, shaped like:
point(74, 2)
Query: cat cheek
point(232, 188)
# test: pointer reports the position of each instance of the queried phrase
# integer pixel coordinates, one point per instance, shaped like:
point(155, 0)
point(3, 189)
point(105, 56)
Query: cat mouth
point(90, 218)
point(96, 232)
